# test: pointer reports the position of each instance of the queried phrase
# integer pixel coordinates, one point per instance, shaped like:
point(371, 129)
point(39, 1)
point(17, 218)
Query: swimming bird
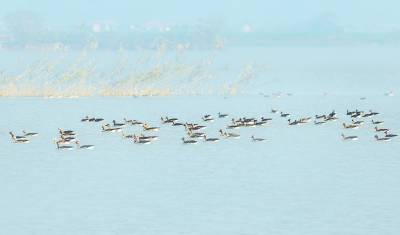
point(389, 135)
point(350, 137)
point(127, 136)
point(132, 122)
point(257, 139)
point(64, 141)
point(188, 141)
point(61, 130)
point(261, 123)
point(357, 122)
point(210, 139)
point(136, 122)
point(294, 123)
point(248, 119)
point(85, 119)
point(78, 146)
point(194, 127)
point(64, 147)
point(107, 128)
point(329, 118)
point(355, 113)
point(274, 110)
point(29, 134)
point(16, 137)
point(222, 115)
point(118, 124)
point(234, 126)
point(367, 115)
point(319, 122)
point(192, 134)
point(174, 123)
point(229, 134)
point(249, 124)
point(149, 137)
point(371, 113)
point(128, 121)
point(304, 120)
point(266, 119)
point(67, 135)
point(350, 126)
point(168, 120)
point(137, 140)
point(332, 114)
point(68, 138)
point(350, 113)
point(380, 129)
point(164, 120)
point(376, 122)
point(146, 127)
point(21, 141)
point(207, 118)
point(382, 138)
point(66, 132)
point(285, 114)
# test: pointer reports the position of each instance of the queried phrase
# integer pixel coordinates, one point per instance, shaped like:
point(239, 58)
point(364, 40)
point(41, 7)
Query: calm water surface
point(303, 180)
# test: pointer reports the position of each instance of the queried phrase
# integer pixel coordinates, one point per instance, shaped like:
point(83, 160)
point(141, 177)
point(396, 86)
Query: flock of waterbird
point(67, 139)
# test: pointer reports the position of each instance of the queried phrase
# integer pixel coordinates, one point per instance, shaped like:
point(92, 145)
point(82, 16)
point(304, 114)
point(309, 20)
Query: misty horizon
point(202, 25)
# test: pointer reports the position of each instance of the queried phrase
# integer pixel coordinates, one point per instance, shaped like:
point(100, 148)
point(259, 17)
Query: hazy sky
point(232, 13)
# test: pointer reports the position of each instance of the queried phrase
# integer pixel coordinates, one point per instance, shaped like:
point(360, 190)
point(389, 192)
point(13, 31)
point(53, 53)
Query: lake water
point(303, 180)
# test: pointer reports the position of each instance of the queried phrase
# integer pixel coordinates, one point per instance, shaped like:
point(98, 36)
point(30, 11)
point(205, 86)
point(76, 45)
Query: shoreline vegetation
point(149, 73)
